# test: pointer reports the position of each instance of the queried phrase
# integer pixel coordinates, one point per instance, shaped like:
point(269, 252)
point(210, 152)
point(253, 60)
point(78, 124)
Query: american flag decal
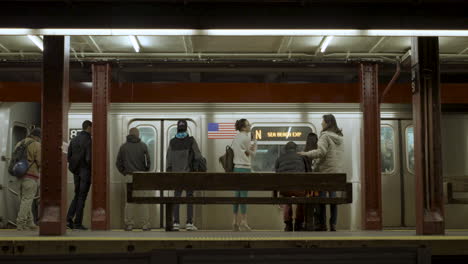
point(221, 131)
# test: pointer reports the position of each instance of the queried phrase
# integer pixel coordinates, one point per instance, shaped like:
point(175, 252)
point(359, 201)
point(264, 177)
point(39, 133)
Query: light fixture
point(233, 32)
point(325, 43)
point(37, 41)
point(135, 43)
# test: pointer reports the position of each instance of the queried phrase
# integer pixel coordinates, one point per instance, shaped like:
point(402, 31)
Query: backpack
point(227, 160)
point(19, 164)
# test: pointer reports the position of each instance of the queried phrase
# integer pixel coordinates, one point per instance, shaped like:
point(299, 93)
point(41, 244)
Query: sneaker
point(32, 227)
point(235, 227)
point(288, 226)
point(128, 228)
point(175, 227)
point(146, 228)
point(21, 228)
point(333, 228)
point(80, 227)
point(190, 227)
point(298, 226)
point(244, 227)
point(70, 225)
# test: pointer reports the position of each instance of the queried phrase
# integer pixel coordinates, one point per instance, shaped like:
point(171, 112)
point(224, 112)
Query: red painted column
point(371, 182)
point(100, 212)
point(430, 217)
point(55, 104)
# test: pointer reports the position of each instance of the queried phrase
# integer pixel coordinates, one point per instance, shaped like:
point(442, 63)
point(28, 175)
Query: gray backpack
point(227, 160)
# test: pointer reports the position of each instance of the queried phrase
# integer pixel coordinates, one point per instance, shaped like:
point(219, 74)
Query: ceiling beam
point(285, 44)
point(3, 48)
point(379, 42)
point(93, 44)
point(406, 56)
point(188, 44)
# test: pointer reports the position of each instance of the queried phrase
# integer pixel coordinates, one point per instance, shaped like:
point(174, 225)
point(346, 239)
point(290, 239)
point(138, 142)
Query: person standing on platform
point(29, 183)
point(133, 156)
point(79, 163)
point(182, 154)
point(290, 161)
point(244, 151)
point(330, 154)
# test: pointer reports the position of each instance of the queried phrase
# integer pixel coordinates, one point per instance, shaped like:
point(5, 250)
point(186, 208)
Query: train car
point(273, 125)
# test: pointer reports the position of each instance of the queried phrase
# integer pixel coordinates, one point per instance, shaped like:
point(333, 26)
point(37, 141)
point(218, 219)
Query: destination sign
point(293, 133)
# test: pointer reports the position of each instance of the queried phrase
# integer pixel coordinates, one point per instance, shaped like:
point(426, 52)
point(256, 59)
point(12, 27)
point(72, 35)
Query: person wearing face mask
point(244, 151)
point(329, 152)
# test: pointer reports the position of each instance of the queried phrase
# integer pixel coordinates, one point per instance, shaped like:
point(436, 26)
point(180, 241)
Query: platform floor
point(454, 242)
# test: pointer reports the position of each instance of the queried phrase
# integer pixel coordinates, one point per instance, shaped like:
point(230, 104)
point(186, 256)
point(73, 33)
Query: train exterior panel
point(157, 123)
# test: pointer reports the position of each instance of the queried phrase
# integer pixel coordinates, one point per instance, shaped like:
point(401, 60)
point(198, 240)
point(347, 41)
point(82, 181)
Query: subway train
point(270, 126)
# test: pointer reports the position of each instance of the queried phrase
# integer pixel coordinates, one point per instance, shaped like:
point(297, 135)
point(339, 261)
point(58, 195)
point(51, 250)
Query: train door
point(397, 172)
point(157, 134)
point(407, 155)
point(391, 176)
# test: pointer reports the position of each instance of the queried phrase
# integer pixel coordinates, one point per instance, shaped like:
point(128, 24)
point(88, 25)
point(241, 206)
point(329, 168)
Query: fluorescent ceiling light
point(233, 32)
point(325, 43)
point(135, 43)
point(37, 41)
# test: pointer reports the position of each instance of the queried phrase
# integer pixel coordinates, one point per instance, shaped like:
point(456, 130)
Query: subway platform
point(15, 243)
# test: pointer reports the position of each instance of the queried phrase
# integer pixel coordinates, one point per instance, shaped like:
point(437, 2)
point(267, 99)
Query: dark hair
point(240, 124)
point(181, 126)
point(36, 132)
point(311, 142)
point(331, 124)
point(86, 124)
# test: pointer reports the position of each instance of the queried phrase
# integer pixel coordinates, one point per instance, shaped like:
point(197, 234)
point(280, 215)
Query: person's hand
point(253, 147)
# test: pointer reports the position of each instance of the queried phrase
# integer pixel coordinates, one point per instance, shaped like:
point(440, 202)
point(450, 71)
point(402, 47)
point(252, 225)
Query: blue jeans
point(322, 211)
point(243, 207)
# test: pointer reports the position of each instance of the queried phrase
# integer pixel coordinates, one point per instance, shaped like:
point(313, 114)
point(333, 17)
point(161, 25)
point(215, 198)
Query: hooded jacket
point(290, 161)
point(181, 154)
point(34, 157)
point(329, 152)
point(133, 156)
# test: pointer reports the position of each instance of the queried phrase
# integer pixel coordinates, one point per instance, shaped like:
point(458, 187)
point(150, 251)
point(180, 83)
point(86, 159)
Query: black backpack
point(227, 160)
point(19, 155)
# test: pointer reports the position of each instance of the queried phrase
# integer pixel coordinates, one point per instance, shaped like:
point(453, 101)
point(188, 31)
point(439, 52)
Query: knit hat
point(181, 126)
point(36, 132)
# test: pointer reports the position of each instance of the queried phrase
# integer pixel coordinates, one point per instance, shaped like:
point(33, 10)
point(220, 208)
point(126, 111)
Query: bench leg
point(169, 223)
point(309, 216)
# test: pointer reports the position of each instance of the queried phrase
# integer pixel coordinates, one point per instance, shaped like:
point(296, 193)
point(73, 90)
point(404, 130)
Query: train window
point(19, 133)
point(148, 135)
point(266, 156)
point(387, 149)
point(410, 148)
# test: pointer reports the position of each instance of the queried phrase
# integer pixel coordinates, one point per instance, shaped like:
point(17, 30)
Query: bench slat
point(239, 181)
point(236, 200)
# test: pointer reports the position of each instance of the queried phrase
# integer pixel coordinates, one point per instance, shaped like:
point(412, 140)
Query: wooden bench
point(457, 185)
point(335, 182)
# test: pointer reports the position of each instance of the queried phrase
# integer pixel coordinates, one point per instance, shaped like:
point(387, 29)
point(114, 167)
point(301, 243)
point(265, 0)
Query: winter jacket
point(329, 152)
point(291, 161)
point(133, 156)
point(79, 152)
point(33, 156)
point(181, 154)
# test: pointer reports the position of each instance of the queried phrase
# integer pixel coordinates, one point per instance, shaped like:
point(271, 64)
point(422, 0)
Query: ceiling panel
point(236, 44)
point(18, 43)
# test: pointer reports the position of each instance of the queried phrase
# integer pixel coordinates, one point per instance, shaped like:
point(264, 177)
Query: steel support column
point(100, 214)
point(371, 180)
point(55, 104)
point(427, 136)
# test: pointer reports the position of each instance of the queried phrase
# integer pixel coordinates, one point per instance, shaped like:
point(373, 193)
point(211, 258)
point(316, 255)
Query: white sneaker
point(235, 227)
point(190, 227)
point(244, 227)
point(175, 227)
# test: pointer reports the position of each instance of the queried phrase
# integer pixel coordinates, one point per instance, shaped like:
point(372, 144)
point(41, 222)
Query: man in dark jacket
point(79, 163)
point(290, 161)
point(133, 156)
point(182, 152)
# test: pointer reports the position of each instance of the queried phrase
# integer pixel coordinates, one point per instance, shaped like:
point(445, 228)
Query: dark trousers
point(321, 213)
point(82, 184)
